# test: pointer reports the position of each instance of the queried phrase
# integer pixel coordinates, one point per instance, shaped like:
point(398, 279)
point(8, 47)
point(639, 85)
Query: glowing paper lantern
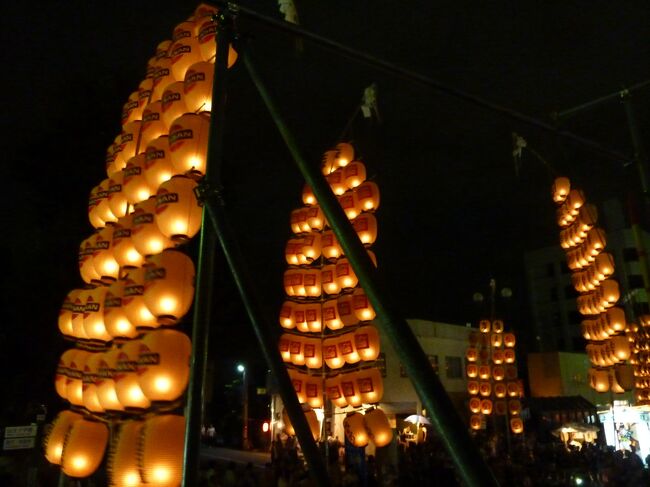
point(509, 340)
point(366, 342)
point(152, 124)
point(336, 182)
point(345, 310)
point(198, 87)
point(110, 159)
point(162, 49)
point(484, 326)
point(188, 143)
point(313, 318)
point(378, 426)
point(484, 372)
point(344, 154)
point(312, 352)
point(117, 201)
point(472, 387)
point(308, 196)
point(128, 146)
point(496, 340)
point(145, 234)
point(135, 185)
point(355, 430)
point(133, 304)
point(298, 380)
point(293, 252)
point(162, 77)
point(328, 279)
point(370, 384)
point(89, 389)
point(486, 406)
point(475, 405)
point(208, 46)
point(124, 250)
point(366, 227)
point(314, 393)
point(516, 425)
point(475, 422)
point(96, 195)
point(103, 258)
point(330, 315)
point(484, 389)
point(286, 315)
point(158, 165)
point(131, 109)
point(183, 30)
point(145, 90)
point(311, 248)
point(105, 383)
point(514, 407)
point(331, 354)
point(345, 276)
point(367, 196)
point(500, 390)
point(350, 205)
point(61, 377)
point(65, 314)
point(330, 247)
point(85, 260)
point(93, 320)
point(284, 346)
point(178, 214)
point(311, 282)
point(77, 314)
point(123, 465)
point(498, 372)
point(334, 392)
point(471, 354)
point(354, 174)
point(560, 189)
point(84, 448)
point(184, 53)
point(350, 389)
point(55, 439)
point(127, 386)
point(471, 370)
point(164, 364)
point(173, 102)
point(513, 388)
point(162, 450)
point(363, 310)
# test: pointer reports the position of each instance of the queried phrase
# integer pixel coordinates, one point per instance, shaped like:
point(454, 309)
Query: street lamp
point(241, 368)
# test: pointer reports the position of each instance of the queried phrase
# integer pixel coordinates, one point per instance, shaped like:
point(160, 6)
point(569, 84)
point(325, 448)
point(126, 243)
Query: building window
point(630, 254)
point(453, 366)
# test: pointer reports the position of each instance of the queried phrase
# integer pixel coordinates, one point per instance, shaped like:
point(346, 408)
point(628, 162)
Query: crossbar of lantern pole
point(414, 77)
point(470, 465)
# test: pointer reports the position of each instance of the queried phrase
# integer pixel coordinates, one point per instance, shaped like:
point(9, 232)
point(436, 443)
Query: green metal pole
point(205, 270)
point(469, 463)
point(264, 331)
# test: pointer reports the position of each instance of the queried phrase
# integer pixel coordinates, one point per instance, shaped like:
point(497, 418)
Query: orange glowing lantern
point(315, 218)
point(163, 438)
point(486, 406)
point(89, 388)
point(500, 390)
point(313, 318)
point(127, 387)
point(516, 425)
point(311, 282)
point(367, 196)
point(84, 448)
point(345, 276)
point(293, 252)
point(331, 354)
point(300, 318)
point(347, 349)
point(350, 205)
point(164, 364)
point(123, 465)
point(378, 426)
point(484, 372)
point(105, 384)
point(298, 380)
point(498, 372)
point(124, 250)
point(298, 221)
point(314, 392)
point(366, 341)
point(129, 139)
point(328, 279)
point(509, 340)
point(178, 213)
point(103, 257)
point(308, 196)
point(93, 320)
point(513, 388)
point(98, 210)
point(621, 347)
point(313, 353)
point(293, 283)
point(55, 439)
point(162, 77)
point(334, 392)
point(169, 285)
point(484, 326)
point(188, 143)
point(475, 405)
point(330, 247)
point(296, 350)
point(471, 370)
point(475, 422)
point(514, 407)
point(330, 315)
point(158, 165)
point(117, 201)
point(366, 227)
point(77, 314)
point(85, 260)
point(328, 162)
point(131, 109)
point(135, 185)
point(335, 180)
point(173, 102)
point(286, 315)
point(152, 124)
point(624, 374)
point(472, 387)
point(133, 303)
point(344, 154)
point(471, 354)
point(184, 53)
point(498, 357)
point(484, 388)
point(345, 310)
point(355, 429)
point(183, 30)
point(61, 377)
point(497, 326)
point(145, 90)
point(283, 345)
point(206, 37)
point(145, 234)
point(65, 314)
point(496, 340)
point(509, 356)
point(354, 174)
point(370, 385)
point(110, 159)
point(198, 87)
point(311, 246)
point(560, 190)
point(363, 310)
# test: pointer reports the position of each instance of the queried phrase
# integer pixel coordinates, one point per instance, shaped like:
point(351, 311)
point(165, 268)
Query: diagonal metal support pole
point(215, 208)
point(205, 270)
point(469, 463)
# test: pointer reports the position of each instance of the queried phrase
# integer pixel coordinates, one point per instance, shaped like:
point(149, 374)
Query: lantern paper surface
point(178, 214)
point(123, 464)
point(84, 448)
point(56, 436)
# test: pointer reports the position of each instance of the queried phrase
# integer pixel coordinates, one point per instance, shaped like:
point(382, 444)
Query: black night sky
point(454, 212)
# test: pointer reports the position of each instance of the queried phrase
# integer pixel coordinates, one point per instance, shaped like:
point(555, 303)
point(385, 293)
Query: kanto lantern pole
point(468, 461)
point(205, 272)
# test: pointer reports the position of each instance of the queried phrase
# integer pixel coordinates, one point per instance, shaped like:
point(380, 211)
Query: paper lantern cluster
point(610, 337)
point(329, 343)
point(640, 360)
point(492, 382)
point(129, 367)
